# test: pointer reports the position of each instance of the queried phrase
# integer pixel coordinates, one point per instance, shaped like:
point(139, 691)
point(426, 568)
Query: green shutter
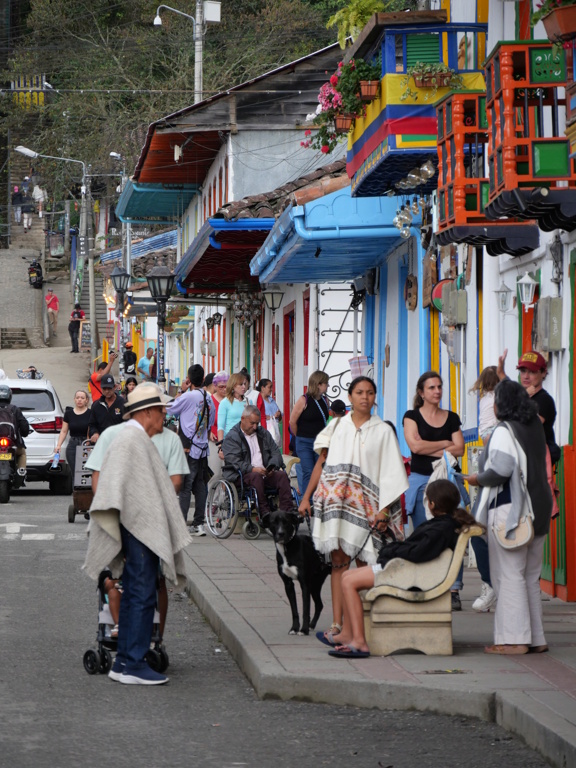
point(425, 48)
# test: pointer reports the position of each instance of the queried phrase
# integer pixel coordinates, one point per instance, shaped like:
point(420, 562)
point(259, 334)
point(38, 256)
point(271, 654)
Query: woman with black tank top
point(429, 430)
point(75, 423)
point(308, 418)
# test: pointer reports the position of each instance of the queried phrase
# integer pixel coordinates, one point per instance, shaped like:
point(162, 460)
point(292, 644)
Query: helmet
point(5, 394)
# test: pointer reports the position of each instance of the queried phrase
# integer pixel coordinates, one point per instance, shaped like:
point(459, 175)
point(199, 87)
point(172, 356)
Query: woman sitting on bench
point(427, 542)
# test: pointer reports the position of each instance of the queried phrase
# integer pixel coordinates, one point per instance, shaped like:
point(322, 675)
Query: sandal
point(348, 652)
point(335, 628)
point(538, 649)
point(327, 638)
point(114, 631)
point(507, 650)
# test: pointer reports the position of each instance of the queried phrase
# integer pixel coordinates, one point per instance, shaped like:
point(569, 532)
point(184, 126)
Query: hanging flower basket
point(343, 123)
point(168, 328)
point(433, 80)
point(369, 89)
point(560, 24)
point(172, 318)
point(181, 311)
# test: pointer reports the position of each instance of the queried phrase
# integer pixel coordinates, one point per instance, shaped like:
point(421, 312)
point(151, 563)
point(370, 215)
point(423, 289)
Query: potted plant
point(340, 102)
point(558, 17)
point(430, 76)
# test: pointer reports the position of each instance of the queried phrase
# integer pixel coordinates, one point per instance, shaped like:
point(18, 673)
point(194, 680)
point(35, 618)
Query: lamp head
point(157, 20)
point(116, 155)
point(26, 151)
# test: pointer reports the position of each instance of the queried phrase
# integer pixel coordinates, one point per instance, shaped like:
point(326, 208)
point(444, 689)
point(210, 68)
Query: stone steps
point(14, 338)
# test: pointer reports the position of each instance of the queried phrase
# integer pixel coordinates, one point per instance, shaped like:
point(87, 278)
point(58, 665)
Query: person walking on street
point(108, 410)
point(28, 209)
point(308, 418)
point(76, 316)
point(130, 359)
point(17, 205)
point(145, 363)
point(52, 306)
point(75, 425)
point(196, 411)
point(136, 528)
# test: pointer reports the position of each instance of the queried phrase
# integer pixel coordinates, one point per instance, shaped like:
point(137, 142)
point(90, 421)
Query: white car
point(39, 403)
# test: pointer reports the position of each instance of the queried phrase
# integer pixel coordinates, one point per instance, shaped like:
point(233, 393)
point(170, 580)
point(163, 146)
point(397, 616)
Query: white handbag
point(524, 531)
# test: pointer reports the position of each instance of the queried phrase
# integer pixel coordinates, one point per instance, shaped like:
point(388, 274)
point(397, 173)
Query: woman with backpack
point(308, 418)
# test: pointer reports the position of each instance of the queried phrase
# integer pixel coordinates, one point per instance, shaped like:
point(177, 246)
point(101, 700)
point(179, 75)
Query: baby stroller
point(100, 660)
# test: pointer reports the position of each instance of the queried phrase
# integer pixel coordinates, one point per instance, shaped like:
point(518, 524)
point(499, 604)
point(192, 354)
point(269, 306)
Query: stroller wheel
point(154, 660)
point(92, 662)
point(105, 661)
point(164, 660)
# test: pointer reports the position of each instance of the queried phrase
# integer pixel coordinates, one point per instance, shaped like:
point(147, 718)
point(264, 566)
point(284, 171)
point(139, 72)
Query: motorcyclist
point(21, 428)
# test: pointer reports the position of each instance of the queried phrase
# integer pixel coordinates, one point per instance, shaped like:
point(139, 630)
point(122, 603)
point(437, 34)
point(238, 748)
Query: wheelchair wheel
point(251, 530)
point(221, 508)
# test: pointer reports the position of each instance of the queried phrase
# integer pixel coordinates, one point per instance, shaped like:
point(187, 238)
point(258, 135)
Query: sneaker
point(456, 604)
point(144, 676)
point(116, 671)
point(197, 530)
point(486, 600)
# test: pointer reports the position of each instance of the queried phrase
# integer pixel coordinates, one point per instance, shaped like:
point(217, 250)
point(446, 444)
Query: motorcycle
point(35, 276)
point(9, 478)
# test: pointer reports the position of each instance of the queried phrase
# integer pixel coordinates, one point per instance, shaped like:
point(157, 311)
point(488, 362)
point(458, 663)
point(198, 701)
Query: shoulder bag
point(524, 531)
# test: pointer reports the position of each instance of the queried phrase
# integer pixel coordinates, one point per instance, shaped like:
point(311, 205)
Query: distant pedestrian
point(39, 196)
point(17, 205)
point(75, 426)
point(28, 209)
point(308, 418)
point(144, 364)
point(96, 377)
point(53, 307)
point(196, 411)
point(29, 373)
point(129, 386)
point(76, 317)
point(130, 359)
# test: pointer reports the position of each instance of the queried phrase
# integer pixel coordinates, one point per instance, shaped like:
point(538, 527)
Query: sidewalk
point(237, 587)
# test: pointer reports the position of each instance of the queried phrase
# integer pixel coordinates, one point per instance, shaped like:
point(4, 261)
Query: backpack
point(8, 426)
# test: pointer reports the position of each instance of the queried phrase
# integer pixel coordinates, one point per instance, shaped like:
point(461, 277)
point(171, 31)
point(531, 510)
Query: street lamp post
point(121, 280)
point(160, 282)
point(83, 235)
point(213, 16)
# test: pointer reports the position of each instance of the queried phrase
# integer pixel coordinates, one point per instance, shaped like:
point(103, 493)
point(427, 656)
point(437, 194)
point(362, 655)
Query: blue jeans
point(480, 547)
point(308, 458)
point(139, 580)
point(194, 484)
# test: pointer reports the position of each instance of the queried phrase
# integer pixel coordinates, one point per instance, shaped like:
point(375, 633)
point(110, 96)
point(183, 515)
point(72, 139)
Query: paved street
point(54, 714)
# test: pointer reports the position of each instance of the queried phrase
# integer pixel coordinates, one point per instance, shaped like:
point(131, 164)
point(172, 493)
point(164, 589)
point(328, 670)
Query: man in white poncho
point(135, 527)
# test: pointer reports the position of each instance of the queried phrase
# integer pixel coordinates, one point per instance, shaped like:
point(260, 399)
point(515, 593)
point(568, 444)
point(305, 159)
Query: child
point(485, 385)
point(427, 542)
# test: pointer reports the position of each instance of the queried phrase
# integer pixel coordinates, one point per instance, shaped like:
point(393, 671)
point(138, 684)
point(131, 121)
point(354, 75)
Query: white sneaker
point(197, 530)
point(486, 600)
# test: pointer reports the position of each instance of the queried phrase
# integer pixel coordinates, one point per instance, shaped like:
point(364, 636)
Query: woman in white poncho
point(359, 476)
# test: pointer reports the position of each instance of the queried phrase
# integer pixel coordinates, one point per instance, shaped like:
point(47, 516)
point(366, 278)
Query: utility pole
point(198, 47)
point(92, 288)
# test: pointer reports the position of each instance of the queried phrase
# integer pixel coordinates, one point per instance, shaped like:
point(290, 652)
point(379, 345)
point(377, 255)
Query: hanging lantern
point(527, 287)
point(504, 297)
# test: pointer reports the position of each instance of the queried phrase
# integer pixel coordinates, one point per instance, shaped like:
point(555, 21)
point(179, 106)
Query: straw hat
point(143, 396)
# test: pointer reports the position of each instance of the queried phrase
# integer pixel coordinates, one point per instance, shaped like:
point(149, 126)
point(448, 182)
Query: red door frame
point(289, 319)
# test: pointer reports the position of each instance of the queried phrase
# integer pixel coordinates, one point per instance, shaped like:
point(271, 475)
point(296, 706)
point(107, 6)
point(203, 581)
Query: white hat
point(146, 395)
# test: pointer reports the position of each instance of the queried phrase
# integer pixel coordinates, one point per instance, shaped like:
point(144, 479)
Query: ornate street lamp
point(160, 282)
point(527, 286)
point(504, 297)
point(120, 280)
point(273, 297)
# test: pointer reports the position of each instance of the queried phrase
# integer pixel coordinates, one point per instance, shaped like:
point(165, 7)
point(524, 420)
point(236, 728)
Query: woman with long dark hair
point(308, 418)
point(513, 478)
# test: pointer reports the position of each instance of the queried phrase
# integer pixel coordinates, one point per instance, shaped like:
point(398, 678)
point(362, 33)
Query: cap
point(129, 345)
point(50, 290)
point(145, 395)
point(107, 381)
point(533, 361)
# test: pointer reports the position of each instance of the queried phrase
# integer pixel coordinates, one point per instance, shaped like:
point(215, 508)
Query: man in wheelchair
point(250, 451)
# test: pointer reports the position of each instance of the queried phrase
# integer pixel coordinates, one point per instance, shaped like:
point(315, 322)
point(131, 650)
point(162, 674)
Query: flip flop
point(507, 650)
point(327, 638)
point(348, 652)
point(538, 649)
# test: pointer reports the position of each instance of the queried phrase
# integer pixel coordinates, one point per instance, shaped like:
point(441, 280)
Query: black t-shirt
point(547, 409)
point(77, 422)
point(313, 418)
point(130, 360)
point(423, 464)
point(75, 317)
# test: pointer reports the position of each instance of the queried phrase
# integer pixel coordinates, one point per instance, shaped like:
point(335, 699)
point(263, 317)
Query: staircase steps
point(101, 311)
point(14, 338)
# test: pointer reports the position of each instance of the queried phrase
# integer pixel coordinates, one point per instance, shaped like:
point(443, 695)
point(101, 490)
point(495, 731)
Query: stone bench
point(409, 606)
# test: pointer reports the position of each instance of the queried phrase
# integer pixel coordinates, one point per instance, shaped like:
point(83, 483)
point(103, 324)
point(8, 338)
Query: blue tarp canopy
point(336, 237)
point(154, 203)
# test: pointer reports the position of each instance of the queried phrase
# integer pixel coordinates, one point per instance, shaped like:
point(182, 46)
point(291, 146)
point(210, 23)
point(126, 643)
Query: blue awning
point(336, 237)
point(154, 203)
point(148, 244)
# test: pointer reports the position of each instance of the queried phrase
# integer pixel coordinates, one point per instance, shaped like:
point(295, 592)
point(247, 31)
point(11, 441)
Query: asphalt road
point(54, 715)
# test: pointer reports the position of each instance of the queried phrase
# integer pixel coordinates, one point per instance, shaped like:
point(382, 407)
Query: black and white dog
point(298, 561)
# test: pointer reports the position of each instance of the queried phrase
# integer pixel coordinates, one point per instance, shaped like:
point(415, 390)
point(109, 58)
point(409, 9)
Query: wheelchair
point(227, 502)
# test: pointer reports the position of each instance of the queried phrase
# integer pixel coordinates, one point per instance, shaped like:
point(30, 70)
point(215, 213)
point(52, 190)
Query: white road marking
point(15, 527)
point(38, 536)
point(44, 536)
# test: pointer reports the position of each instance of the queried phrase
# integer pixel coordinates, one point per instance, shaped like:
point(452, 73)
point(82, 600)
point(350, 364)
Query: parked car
point(38, 401)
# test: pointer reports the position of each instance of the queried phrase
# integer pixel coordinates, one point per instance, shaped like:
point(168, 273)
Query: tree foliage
point(113, 72)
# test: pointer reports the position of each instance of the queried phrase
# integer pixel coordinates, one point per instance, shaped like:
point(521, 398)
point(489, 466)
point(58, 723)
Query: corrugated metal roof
point(154, 243)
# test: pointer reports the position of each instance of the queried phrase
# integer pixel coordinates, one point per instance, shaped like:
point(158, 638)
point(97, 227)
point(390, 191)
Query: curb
point(515, 711)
